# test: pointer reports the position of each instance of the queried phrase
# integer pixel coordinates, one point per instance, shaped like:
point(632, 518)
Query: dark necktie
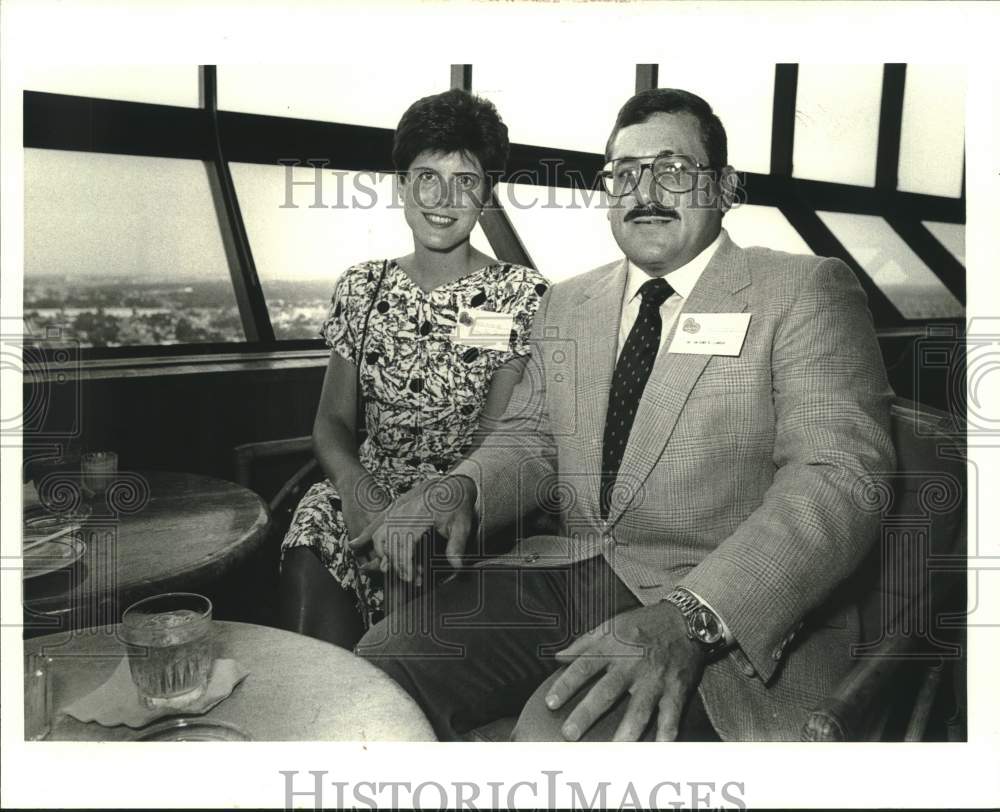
point(631, 373)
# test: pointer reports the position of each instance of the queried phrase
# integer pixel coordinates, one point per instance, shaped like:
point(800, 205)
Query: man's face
point(660, 230)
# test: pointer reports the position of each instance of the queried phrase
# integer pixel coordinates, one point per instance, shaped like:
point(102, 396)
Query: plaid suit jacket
point(742, 477)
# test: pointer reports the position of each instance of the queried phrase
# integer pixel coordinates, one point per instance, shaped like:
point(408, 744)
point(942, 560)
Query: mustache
point(651, 210)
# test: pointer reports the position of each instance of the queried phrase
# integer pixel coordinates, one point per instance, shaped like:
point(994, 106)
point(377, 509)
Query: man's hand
point(447, 505)
point(644, 652)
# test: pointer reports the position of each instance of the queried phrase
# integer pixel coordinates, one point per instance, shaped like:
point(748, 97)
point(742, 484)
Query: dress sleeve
point(340, 329)
point(527, 286)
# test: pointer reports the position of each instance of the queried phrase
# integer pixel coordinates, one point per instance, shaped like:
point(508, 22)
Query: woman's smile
point(439, 220)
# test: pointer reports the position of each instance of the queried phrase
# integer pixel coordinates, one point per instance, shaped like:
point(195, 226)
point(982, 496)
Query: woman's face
point(443, 195)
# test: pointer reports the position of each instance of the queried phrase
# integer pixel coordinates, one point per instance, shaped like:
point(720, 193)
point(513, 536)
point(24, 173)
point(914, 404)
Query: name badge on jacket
point(483, 328)
point(710, 333)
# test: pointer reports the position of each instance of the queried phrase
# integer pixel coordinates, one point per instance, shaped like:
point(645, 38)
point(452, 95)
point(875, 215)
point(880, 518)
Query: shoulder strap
point(359, 412)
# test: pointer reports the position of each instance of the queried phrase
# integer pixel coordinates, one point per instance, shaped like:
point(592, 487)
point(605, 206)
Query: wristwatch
point(703, 625)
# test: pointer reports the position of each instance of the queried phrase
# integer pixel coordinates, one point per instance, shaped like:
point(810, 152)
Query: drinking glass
point(98, 469)
point(170, 647)
point(37, 697)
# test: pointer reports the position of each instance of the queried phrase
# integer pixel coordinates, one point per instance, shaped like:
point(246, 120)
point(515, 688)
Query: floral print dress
point(424, 384)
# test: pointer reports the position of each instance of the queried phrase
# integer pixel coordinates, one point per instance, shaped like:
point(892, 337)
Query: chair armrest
point(293, 485)
point(847, 713)
point(244, 455)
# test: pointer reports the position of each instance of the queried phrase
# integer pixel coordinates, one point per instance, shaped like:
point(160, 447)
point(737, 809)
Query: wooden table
point(155, 532)
point(298, 689)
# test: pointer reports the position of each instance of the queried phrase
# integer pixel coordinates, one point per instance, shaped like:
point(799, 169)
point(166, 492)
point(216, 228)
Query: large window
point(932, 142)
point(152, 222)
point(301, 249)
point(367, 94)
point(546, 105)
point(153, 84)
point(904, 278)
point(765, 226)
point(123, 251)
point(565, 230)
point(836, 123)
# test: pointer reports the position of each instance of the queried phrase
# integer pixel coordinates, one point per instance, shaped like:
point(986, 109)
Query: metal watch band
point(684, 601)
point(688, 604)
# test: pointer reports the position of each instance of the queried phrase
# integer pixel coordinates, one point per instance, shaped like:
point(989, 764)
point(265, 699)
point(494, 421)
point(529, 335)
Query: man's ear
point(730, 189)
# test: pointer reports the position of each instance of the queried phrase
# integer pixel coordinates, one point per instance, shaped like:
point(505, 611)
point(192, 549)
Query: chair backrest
point(914, 574)
point(923, 515)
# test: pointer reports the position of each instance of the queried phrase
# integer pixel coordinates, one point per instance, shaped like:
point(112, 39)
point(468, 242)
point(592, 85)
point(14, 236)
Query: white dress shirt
point(681, 280)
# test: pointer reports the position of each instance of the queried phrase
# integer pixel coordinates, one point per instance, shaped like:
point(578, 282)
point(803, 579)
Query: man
point(710, 414)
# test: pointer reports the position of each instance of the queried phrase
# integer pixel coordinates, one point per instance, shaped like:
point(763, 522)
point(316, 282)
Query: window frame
point(218, 137)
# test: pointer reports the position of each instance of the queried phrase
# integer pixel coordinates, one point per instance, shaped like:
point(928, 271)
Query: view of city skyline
point(107, 312)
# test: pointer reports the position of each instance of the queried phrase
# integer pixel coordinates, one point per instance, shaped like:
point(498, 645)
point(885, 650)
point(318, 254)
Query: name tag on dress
point(483, 328)
point(710, 333)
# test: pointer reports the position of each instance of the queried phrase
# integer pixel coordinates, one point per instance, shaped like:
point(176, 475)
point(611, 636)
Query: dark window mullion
point(500, 232)
point(890, 125)
point(822, 242)
point(786, 82)
point(647, 77)
point(246, 284)
point(935, 256)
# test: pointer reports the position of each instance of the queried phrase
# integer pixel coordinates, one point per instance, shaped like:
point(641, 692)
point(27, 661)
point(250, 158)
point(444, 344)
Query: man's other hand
point(446, 505)
point(644, 652)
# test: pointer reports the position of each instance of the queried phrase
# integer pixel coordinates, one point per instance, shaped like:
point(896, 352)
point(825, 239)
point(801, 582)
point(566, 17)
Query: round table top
point(298, 689)
point(155, 531)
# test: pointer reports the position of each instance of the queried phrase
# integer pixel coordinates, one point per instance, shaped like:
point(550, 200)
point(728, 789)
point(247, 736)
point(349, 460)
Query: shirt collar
point(682, 280)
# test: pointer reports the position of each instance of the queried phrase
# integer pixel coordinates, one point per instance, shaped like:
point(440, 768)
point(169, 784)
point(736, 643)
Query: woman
point(404, 364)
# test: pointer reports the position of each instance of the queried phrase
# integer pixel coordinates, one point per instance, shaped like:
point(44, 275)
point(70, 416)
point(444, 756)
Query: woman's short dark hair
point(454, 121)
point(670, 100)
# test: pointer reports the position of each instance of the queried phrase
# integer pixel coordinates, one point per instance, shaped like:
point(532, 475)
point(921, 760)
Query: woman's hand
point(446, 505)
point(362, 502)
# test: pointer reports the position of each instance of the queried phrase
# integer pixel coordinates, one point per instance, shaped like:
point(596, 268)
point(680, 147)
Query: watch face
point(706, 627)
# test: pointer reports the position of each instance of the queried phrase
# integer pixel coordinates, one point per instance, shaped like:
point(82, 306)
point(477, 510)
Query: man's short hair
point(453, 121)
point(647, 103)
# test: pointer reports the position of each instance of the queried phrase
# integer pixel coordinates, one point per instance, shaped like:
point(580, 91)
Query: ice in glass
point(170, 647)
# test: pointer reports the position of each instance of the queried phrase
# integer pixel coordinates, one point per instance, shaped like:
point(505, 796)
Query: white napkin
point(116, 701)
point(29, 496)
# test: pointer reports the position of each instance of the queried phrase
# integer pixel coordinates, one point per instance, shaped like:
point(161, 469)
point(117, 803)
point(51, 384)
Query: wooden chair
point(913, 614)
point(264, 467)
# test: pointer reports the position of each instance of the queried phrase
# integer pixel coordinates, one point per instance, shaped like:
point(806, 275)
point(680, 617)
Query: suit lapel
point(720, 289)
point(595, 329)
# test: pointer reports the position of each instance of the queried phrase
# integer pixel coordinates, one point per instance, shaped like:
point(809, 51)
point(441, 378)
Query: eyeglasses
point(671, 171)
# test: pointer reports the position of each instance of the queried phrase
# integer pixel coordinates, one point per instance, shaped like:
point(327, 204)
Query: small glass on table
point(170, 648)
point(37, 696)
point(98, 470)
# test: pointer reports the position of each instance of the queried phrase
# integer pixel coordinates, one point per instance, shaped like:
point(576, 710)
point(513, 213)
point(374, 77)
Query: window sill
point(146, 367)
